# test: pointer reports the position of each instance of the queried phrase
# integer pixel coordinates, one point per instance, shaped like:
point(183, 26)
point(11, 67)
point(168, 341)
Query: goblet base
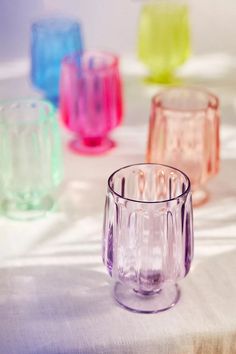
point(162, 78)
point(91, 146)
point(162, 300)
point(200, 197)
point(22, 210)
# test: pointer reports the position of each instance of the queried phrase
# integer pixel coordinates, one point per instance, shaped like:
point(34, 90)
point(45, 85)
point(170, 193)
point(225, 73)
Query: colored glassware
point(91, 100)
point(148, 235)
point(184, 132)
point(30, 158)
point(164, 37)
point(51, 40)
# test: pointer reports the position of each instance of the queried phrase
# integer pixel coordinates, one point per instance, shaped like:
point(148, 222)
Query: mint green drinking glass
point(30, 158)
point(164, 37)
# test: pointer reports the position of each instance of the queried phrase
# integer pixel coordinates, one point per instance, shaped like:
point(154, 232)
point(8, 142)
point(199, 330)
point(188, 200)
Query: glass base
point(164, 79)
point(153, 303)
point(91, 146)
point(18, 210)
point(200, 197)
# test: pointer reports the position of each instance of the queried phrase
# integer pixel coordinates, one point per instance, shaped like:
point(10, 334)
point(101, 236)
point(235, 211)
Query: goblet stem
point(91, 145)
point(146, 303)
point(165, 77)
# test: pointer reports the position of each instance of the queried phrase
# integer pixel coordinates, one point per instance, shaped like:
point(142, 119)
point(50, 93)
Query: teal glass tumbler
point(30, 158)
point(51, 40)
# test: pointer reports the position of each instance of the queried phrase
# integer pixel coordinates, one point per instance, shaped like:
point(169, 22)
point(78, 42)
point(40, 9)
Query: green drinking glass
point(163, 37)
point(30, 158)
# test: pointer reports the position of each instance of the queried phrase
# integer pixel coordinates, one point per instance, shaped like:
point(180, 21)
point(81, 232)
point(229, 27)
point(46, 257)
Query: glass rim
point(70, 59)
point(186, 191)
point(60, 21)
point(9, 103)
point(157, 100)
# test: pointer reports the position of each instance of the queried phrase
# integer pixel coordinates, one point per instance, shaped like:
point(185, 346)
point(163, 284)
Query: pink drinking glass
point(91, 100)
point(184, 132)
point(148, 235)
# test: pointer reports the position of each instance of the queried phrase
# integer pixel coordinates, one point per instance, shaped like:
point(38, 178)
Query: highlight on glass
point(148, 235)
point(30, 158)
point(51, 40)
point(164, 37)
point(91, 100)
point(184, 132)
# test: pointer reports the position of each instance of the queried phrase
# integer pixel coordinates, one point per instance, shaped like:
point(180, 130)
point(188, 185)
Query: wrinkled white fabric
point(55, 295)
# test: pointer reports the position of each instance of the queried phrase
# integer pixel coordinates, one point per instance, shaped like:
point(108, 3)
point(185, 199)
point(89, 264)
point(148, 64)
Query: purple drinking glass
point(91, 100)
point(148, 235)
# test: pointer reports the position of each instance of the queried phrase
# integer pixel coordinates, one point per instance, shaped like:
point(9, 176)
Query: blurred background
point(112, 24)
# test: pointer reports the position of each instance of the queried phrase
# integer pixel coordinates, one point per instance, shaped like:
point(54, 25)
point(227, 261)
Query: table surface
point(55, 295)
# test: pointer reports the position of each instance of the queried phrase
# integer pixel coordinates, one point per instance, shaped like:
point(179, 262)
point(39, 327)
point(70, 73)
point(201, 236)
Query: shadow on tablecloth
point(69, 310)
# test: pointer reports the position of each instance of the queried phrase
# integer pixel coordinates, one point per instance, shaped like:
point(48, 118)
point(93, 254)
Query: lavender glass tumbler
point(148, 235)
point(91, 100)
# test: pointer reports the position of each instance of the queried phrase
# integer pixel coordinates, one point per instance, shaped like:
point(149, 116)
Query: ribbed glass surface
point(91, 102)
point(184, 132)
point(51, 40)
point(30, 152)
point(148, 234)
point(163, 37)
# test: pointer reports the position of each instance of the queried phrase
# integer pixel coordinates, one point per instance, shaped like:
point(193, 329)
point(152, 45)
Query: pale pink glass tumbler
point(148, 235)
point(91, 100)
point(184, 132)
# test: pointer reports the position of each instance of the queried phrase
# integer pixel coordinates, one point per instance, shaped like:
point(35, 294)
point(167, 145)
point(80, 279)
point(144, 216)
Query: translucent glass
point(184, 132)
point(30, 158)
point(51, 40)
point(148, 235)
point(164, 37)
point(91, 100)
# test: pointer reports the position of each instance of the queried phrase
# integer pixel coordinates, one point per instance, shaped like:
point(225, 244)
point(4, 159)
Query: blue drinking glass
point(51, 40)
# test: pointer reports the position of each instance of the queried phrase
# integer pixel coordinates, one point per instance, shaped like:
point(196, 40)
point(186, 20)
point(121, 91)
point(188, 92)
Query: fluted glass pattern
point(163, 37)
point(30, 156)
point(148, 231)
point(91, 99)
point(51, 40)
point(184, 132)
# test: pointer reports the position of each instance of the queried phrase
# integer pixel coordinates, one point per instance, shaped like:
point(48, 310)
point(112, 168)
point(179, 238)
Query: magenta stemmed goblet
point(91, 100)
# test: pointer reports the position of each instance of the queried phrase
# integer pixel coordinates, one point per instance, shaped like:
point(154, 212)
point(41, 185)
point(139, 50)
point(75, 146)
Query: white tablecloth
point(55, 295)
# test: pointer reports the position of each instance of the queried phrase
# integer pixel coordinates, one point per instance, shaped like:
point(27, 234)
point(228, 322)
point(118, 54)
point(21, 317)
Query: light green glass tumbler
point(164, 37)
point(30, 158)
